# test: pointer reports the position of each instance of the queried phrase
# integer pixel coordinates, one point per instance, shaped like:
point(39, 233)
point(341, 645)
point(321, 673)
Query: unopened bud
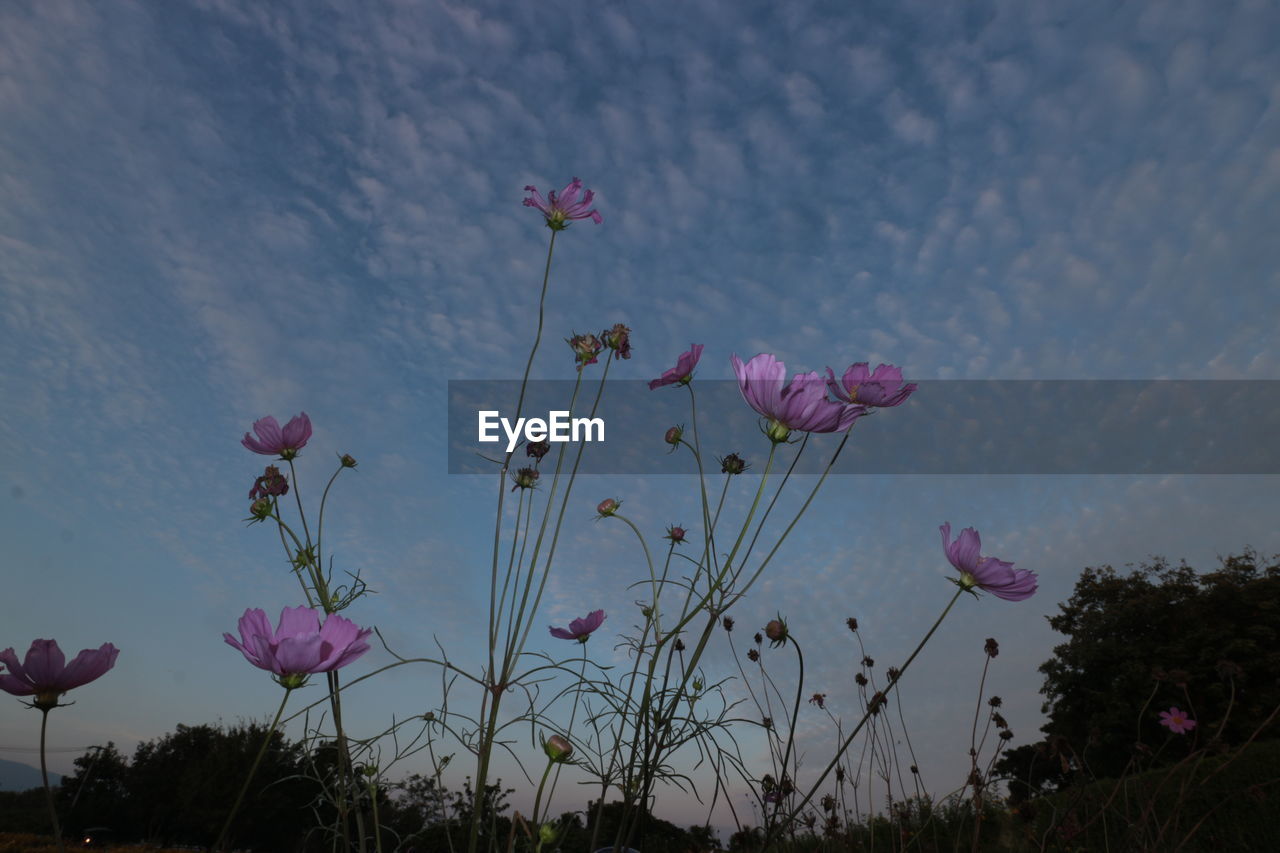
point(776, 631)
point(557, 748)
point(608, 506)
point(676, 534)
point(673, 435)
point(347, 460)
point(732, 464)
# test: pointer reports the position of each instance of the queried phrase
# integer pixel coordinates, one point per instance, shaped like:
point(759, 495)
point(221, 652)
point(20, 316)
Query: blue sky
point(214, 211)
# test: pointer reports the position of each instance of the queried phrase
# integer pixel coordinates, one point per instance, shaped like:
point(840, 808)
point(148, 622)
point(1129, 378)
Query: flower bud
point(347, 460)
point(557, 748)
point(776, 432)
point(776, 631)
point(676, 534)
point(608, 507)
point(673, 436)
point(732, 464)
point(547, 834)
point(260, 509)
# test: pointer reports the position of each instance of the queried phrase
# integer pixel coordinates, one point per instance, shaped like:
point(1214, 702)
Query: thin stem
point(44, 775)
point(266, 742)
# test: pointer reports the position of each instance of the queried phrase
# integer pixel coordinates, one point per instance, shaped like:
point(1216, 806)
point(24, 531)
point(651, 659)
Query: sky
point(213, 211)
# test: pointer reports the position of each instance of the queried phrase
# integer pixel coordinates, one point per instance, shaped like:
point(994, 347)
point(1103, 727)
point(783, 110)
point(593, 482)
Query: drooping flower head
point(580, 629)
point(560, 208)
point(618, 339)
point(997, 577)
point(46, 675)
point(801, 404)
point(881, 388)
point(301, 645)
point(273, 441)
point(1177, 721)
point(683, 371)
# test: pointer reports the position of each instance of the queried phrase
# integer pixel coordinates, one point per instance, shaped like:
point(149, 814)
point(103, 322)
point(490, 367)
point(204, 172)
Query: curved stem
point(795, 715)
point(48, 792)
point(266, 742)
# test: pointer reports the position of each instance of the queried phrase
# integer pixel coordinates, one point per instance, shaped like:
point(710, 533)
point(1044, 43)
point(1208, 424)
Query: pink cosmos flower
point(997, 577)
point(801, 404)
point(580, 629)
point(1177, 721)
point(881, 388)
point(46, 675)
point(272, 441)
point(683, 371)
point(301, 645)
point(559, 209)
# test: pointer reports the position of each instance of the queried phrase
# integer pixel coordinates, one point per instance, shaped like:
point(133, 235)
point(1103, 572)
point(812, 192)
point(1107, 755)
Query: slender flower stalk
point(266, 742)
point(44, 777)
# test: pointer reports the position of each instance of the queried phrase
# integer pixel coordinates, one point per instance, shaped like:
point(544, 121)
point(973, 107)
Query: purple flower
point(580, 629)
point(881, 388)
point(301, 645)
point(46, 675)
point(801, 404)
point(683, 371)
point(559, 209)
point(1177, 721)
point(618, 338)
point(997, 577)
point(272, 441)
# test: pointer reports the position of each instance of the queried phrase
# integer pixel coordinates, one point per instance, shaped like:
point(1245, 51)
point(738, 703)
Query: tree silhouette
point(1140, 643)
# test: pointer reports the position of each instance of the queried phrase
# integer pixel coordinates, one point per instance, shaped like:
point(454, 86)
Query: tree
point(96, 794)
point(1140, 643)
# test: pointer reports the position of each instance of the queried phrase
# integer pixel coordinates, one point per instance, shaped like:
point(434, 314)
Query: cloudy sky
point(216, 210)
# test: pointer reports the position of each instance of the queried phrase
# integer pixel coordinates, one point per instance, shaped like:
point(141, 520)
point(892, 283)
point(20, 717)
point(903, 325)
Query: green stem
point(791, 735)
point(266, 742)
point(537, 803)
point(48, 792)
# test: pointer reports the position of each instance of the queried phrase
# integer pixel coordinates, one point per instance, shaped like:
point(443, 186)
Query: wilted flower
point(301, 645)
point(852, 623)
point(557, 748)
point(1174, 720)
point(758, 637)
point(800, 404)
point(995, 701)
point(618, 339)
point(683, 371)
point(1006, 735)
point(271, 484)
point(580, 629)
point(585, 349)
point(537, 449)
point(525, 478)
point(868, 661)
point(881, 389)
point(679, 644)
point(728, 623)
point(732, 464)
point(753, 655)
point(991, 647)
point(676, 534)
point(608, 506)
point(560, 208)
point(997, 577)
point(46, 675)
point(860, 679)
point(270, 440)
point(818, 699)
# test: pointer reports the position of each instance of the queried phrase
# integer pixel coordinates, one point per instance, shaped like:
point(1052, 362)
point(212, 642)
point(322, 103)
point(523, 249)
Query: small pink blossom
point(683, 371)
point(881, 388)
point(580, 629)
point(1177, 721)
point(560, 208)
point(273, 441)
